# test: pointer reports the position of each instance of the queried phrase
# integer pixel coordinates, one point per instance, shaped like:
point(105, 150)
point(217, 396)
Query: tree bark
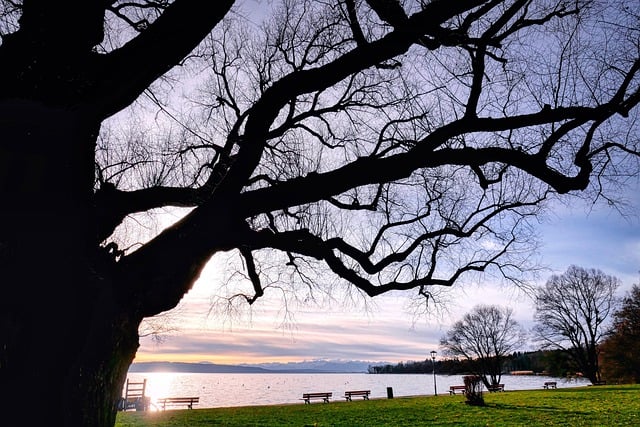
point(67, 330)
point(69, 314)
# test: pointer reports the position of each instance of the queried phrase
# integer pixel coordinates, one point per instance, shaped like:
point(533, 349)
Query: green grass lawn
point(580, 406)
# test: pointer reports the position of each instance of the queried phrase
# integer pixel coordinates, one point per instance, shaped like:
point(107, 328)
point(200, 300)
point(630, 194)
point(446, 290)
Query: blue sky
point(385, 330)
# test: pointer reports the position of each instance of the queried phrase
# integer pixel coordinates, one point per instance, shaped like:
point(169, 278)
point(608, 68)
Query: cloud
point(387, 330)
point(385, 333)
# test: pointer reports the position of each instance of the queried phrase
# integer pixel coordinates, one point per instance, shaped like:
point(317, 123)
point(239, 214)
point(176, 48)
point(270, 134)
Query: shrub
point(473, 390)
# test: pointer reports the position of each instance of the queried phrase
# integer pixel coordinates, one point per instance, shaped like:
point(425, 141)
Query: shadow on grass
point(596, 389)
point(537, 408)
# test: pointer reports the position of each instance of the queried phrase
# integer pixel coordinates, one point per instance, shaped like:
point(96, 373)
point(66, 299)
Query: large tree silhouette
point(401, 148)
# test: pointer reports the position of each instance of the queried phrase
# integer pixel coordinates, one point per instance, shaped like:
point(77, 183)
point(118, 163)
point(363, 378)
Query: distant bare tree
point(485, 336)
point(571, 314)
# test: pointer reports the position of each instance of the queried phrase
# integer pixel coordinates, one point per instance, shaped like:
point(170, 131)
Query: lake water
point(222, 390)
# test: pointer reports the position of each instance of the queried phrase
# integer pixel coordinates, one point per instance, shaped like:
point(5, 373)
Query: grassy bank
point(580, 406)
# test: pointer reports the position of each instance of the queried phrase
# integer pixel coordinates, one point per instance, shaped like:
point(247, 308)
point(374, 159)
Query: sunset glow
point(387, 331)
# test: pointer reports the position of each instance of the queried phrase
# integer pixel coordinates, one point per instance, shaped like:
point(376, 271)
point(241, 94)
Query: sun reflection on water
point(159, 385)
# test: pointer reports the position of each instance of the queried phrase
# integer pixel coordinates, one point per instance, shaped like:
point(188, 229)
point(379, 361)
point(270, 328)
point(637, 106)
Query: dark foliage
point(554, 363)
point(621, 349)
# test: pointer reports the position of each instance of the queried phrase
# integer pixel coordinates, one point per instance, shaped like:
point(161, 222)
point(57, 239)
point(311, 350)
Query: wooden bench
point(497, 387)
point(178, 401)
point(364, 393)
point(453, 388)
point(550, 384)
point(134, 397)
point(308, 397)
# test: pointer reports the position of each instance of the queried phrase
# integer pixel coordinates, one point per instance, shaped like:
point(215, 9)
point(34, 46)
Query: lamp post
point(433, 359)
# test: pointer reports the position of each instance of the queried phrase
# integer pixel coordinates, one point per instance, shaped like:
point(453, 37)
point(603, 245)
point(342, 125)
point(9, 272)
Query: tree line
point(548, 362)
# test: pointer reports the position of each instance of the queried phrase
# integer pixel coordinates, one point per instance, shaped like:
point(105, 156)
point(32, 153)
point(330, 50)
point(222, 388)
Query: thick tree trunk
point(67, 335)
point(61, 365)
point(586, 360)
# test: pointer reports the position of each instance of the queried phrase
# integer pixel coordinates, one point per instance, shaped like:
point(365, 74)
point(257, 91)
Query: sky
point(386, 330)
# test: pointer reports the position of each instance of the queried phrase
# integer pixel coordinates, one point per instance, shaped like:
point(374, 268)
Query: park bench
point(497, 387)
point(308, 397)
point(453, 388)
point(550, 384)
point(364, 393)
point(134, 397)
point(178, 401)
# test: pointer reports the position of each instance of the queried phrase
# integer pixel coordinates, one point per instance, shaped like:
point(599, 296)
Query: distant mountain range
point(312, 366)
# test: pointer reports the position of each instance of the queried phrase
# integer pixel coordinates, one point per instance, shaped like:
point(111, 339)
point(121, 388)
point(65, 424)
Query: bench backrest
point(135, 389)
point(178, 399)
